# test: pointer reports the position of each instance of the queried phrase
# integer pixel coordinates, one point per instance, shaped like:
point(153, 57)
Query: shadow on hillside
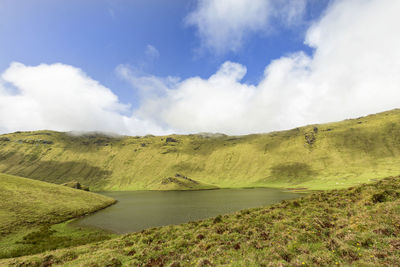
point(293, 172)
point(377, 142)
point(53, 171)
point(88, 142)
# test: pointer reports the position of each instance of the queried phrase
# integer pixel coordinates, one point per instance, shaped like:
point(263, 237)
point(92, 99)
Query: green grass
point(33, 216)
point(358, 226)
point(334, 155)
point(38, 239)
point(355, 226)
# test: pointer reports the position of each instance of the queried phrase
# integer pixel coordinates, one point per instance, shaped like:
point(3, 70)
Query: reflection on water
point(139, 210)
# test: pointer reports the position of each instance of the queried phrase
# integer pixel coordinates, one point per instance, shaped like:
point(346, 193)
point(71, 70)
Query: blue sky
point(187, 66)
point(98, 35)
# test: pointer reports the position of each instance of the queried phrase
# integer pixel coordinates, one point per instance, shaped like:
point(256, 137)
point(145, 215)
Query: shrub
point(380, 197)
point(218, 219)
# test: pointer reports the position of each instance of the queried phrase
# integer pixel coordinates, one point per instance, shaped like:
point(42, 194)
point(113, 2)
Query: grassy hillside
point(30, 210)
point(359, 226)
point(334, 155)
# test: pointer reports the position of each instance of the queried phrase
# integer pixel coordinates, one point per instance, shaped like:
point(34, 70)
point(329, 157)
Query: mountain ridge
point(332, 155)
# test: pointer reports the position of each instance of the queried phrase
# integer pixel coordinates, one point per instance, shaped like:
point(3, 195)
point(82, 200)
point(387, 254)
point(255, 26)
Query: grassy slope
point(334, 155)
point(30, 209)
point(359, 226)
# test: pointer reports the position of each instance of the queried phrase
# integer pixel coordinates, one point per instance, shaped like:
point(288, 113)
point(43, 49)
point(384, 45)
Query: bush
point(378, 198)
point(218, 219)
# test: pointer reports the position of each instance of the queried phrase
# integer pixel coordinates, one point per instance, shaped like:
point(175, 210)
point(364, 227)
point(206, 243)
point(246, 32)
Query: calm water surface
point(139, 210)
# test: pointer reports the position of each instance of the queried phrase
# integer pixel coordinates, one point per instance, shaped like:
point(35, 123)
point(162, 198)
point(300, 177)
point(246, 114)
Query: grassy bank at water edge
point(358, 226)
point(33, 216)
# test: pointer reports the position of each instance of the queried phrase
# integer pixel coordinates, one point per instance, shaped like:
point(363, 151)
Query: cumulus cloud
point(61, 97)
point(353, 71)
point(223, 25)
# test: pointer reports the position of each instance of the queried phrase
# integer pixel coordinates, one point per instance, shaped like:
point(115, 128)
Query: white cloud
point(354, 71)
point(290, 12)
point(223, 25)
point(151, 52)
point(148, 85)
point(61, 97)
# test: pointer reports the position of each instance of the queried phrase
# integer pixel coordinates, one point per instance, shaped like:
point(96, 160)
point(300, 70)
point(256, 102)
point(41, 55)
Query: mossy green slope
point(359, 226)
point(334, 155)
point(29, 209)
point(26, 202)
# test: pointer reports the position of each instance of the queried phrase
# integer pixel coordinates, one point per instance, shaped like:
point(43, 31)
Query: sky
point(187, 66)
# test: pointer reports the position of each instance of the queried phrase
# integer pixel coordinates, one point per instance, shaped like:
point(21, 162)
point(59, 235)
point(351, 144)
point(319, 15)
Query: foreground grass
point(359, 226)
point(38, 239)
point(333, 155)
point(32, 212)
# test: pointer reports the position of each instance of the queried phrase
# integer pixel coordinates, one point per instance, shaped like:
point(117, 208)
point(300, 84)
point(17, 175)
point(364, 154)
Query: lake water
point(139, 210)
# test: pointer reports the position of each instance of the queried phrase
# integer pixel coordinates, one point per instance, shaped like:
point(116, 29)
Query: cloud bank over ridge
point(353, 71)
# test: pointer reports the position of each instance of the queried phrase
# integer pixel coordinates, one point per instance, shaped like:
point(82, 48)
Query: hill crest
point(332, 155)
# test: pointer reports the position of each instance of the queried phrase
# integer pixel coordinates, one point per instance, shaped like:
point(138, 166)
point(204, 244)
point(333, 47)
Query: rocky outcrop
point(180, 180)
point(76, 185)
point(35, 141)
point(170, 139)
